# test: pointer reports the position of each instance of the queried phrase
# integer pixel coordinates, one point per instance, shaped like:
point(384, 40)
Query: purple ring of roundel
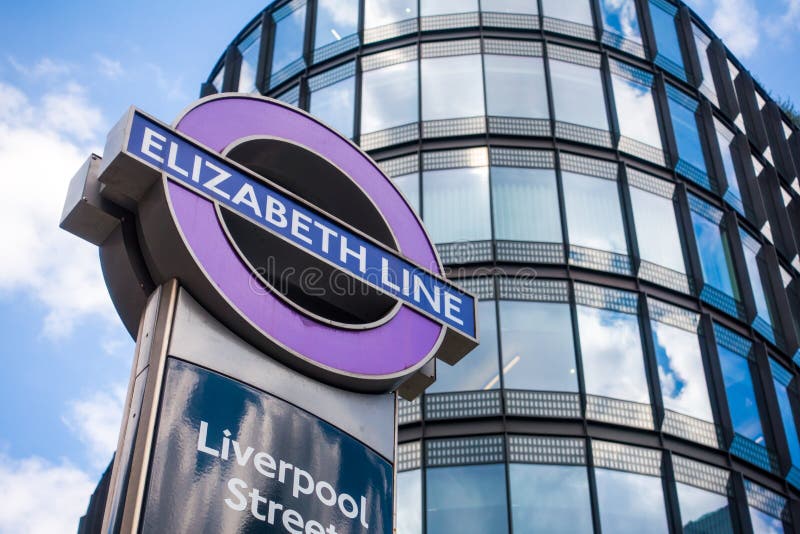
point(402, 342)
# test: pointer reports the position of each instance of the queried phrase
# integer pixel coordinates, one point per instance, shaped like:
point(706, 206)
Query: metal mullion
point(729, 227)
point(670, 488)
point(233, 60)
point(683, 215)
point(670, 145)
point(578, 353)
point(592, 479)
point(688, 47)
point(263, 52)
point(773, 412)
point(714, 151)
point(740, 508)
point(648, 31)
point(716, 382)
point(651, 367)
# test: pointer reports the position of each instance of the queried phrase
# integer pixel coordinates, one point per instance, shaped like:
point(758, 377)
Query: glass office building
point(624, 199)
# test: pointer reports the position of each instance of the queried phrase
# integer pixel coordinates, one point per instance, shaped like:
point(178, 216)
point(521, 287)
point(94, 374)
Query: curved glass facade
point(624, 199)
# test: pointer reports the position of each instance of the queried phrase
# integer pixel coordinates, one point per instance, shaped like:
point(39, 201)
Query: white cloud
point(171, 87)
point(42, 144)
point(110, 68)
point(40, 497)
point(96, 422)
point(45, 67)
point(736, 22)
point(784, 28)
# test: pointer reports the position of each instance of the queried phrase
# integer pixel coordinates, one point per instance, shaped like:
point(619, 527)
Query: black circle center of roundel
point(307, 282)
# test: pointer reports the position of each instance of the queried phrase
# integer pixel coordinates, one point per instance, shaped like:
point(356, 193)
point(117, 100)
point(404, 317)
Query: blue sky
point(67, 72)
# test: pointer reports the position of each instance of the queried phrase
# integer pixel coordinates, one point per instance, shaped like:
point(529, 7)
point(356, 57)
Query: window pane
point(703, 511)
point(440, 76)
point(249, 48)
point(702, 41)
point(611, 352)
point(687, 135)
point(550, 499)
point(408, 184)
point(336, 19)
point(444, 7)
point(630, 503)
point(382, 12)
point(681, 372)
point(515, 86)
point(725, 139)
point(578, 94)
point(409, 502)
point(288, 45)
point(579, 11)
point(469, 499)
point(619, 18)
point(528, 7)
point(525, 203)
point(741, 395)
point(389, 97)
point(787, 417)
point(663, 17)
point(449, 194)
point(537, 346)
point(764, 523)
point(715, 257)
point(763, 306)
point(218, 79)
point(594, 216)
point(657, 230)
point(636, 110)
point(334, 105)
point(477, 370)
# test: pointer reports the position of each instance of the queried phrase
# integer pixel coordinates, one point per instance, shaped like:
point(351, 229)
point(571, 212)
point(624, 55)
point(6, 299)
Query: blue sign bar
point(212, 176)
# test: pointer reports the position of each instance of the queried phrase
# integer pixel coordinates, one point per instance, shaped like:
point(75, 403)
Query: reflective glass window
point(687, 135)
point(681, 372)
point(528, 7)
point(714, 249)
point(383, 12)
point(478, 370)
point(408, 184)
point(218, 80)
point(669, 55)
point(445, 7)
point(763, 523)
point(578, 94)
point(515, 86)
point(794, 299)
point(389, 97)
point(550, 499)
point(764, 305)
point(336, 20)
point(450, 193)
point(781, 379)
point(440, 76)
point(537, 348)
point(250, 48)
point(636, 108)
point(725, 139)
point(741, 395)
point(657, 230)
point(630, 503)
point(620, 22)
point(409, 502)
point(703, 511)
point(525, 204)
point(594, 215)
point(578, 11)
point(290, 25)
point(702, 42)
point(334, 104)
point(611, 352)
point(466, 499)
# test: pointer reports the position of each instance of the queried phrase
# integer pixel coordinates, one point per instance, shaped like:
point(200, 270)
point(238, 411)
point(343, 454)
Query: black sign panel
point(230, 458)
